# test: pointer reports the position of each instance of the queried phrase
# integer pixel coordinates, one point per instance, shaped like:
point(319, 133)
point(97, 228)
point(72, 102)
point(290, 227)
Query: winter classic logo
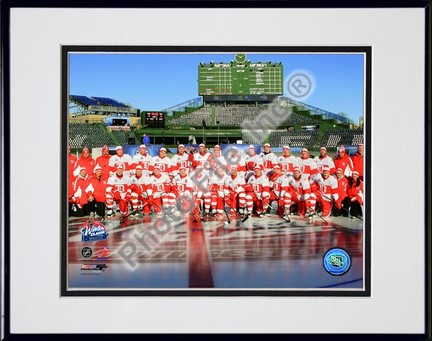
point(93, 231)
point(337, 261)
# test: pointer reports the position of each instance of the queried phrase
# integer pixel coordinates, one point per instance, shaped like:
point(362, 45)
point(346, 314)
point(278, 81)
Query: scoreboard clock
point(240, 77)
point(154, 119)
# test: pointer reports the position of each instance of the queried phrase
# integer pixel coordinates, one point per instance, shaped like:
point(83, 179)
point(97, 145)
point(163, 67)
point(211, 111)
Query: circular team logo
point(337, 261)
point(86, 252)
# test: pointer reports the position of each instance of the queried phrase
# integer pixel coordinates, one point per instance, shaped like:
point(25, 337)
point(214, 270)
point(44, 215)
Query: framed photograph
point(264, 173)
point(189, 159)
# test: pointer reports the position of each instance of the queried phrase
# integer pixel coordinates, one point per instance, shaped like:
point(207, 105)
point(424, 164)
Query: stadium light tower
point(203, 125)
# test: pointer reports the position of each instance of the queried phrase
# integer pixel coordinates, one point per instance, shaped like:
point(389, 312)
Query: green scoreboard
point(240, 77)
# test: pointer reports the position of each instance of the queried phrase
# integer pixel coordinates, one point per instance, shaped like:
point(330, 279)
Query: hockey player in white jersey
point(180, 160)
point(200, 179)
point(269, 158)
point(296, 190)
point(122, 159)
point(162, 161)
point(236, 186)
point(324, 160)
point(258, 192)
point(251, 160)
point(216, 159)
point(159, 190)
point(183, 188)
point(219, 191)
point(140, 183)
point(143, 159)
point(286, 161)
point(327, 193)
point(235, 159)
point(307, 165)
point(200, 158)
point(118, 190)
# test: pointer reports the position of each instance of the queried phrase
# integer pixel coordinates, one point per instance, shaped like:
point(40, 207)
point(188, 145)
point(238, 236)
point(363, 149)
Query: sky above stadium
point(158, 81)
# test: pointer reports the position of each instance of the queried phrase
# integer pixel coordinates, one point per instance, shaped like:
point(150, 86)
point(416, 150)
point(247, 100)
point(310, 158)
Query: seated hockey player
point(276, 178)
point(219, 191)
point(355, 195)
point(327, 191)
point(139, 194)
point(118, 190)
point(299, 191)
point(182, 187)
point(257, 192)
point(341, 205)
point(200, 179)
point(160, 187)
point(235, 184)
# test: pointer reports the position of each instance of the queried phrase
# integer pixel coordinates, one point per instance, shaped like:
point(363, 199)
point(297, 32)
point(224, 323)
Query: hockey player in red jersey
point(219, 191)
point(120, 159)
point(235, 184)
point(160, 188)
point(162, 161)
point(341, 205)
point(258, 192)
point(86, 161)
point(118, 190)
point(357, 160)
point(96, 193)
point(344, 162)
point(307, 165)
point(143, 159)
point(77, 195)
point(275, 180)
point(72, 161)
point(324, 160)
point(103, 162)
point(287, 161)
point(269, 158)
point(328, 192)
point(181, 159)
point(355, 195)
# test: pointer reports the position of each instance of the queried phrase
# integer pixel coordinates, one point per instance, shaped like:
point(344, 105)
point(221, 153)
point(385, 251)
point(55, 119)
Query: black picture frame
point(6, 120)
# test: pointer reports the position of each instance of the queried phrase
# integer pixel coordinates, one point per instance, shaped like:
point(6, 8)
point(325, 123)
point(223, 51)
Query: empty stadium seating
point(84, 100)
point(123, 136)
point(109, 102)
point(335, 138)
point(308, 139)
point(87, 135)
point(235, 115)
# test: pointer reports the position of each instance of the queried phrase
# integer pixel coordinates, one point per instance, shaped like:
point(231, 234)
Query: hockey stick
point(348, 212)
point(287, 219)
point(228, 221)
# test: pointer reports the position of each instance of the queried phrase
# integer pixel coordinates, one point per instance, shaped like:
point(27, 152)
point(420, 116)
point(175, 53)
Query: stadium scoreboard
point(240, 77)
point(154, 119)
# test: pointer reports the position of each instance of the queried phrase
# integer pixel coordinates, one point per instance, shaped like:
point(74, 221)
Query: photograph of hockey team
point(218, 171)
